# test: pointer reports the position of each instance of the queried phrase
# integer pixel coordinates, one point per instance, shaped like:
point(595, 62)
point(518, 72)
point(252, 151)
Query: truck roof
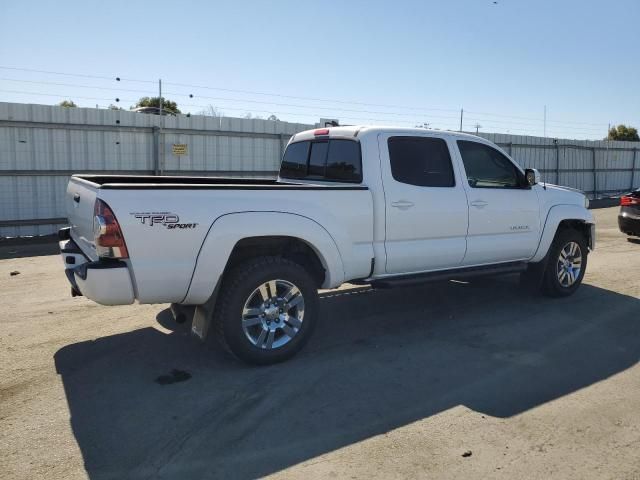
point(359, 130)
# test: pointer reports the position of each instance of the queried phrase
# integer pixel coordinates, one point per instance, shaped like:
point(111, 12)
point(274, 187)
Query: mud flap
point(202, 316)
point(201, 322)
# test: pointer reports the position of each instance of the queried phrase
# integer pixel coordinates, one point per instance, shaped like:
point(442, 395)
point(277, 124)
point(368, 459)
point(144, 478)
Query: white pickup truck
point(373, 205)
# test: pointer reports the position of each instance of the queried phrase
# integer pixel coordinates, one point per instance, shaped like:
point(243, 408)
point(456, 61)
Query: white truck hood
point(555, 194)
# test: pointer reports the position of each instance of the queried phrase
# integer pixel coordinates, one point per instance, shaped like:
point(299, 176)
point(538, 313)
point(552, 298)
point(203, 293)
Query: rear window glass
point(421, 161)
point(335, 160)
point(318, 160)
point(294, 162)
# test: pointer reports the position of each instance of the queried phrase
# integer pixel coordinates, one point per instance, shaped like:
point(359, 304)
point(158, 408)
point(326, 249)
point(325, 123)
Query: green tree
point(114, 107)
point(67, 103)
point(167, 105)
point(623, 132)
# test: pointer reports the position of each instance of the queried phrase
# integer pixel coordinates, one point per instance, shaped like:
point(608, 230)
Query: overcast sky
point(401, 62)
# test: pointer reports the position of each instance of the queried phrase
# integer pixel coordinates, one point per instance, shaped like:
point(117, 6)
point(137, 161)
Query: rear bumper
point(629, 224)
point(106, 282)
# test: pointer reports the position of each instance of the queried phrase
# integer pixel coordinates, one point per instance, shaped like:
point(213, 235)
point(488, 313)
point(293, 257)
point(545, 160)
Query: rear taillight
point(629, 200)
point(107, 233)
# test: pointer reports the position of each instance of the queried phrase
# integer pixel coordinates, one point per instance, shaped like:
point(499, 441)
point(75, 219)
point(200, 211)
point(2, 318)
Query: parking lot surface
point(475, 379)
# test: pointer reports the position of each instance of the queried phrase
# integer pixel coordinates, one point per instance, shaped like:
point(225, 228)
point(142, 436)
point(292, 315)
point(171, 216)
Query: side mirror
point(533, 176)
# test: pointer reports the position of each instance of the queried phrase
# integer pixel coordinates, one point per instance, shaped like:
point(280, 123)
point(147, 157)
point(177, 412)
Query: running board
point(457, 273)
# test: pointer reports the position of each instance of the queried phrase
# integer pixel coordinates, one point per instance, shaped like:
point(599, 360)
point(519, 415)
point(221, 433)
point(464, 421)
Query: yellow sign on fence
point(180, 149)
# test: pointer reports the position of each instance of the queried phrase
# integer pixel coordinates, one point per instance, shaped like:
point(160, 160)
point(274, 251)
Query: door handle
point(479, 203)
point(402, 204)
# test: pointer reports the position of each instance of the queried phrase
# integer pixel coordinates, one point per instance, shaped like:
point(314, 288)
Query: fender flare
point(555, 216)
point(228, 229)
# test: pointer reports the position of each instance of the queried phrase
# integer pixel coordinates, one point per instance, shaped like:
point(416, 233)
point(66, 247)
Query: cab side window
point(421, 161)
point(486, 167)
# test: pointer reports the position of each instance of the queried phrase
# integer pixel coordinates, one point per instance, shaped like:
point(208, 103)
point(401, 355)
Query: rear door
point(425, 204)
point(504, 212)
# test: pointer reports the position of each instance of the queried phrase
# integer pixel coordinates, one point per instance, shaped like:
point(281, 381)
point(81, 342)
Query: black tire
point(239, 285)
point(551, 284)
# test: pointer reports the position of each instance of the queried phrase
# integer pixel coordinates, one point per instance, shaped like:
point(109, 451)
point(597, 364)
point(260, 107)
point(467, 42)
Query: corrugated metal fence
point(599, 168)
point(41, 146)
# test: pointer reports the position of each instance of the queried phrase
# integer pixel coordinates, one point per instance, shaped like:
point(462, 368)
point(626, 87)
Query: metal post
point(160, 164)
point(555, 140)
point(156, 150)
point(461, 114)
point(633, 168)
point(595, 174)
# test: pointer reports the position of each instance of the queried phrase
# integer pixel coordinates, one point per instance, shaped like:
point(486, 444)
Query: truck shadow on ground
point(378, 361)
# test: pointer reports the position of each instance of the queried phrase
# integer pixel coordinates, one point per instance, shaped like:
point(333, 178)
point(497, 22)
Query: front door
point(504, 212)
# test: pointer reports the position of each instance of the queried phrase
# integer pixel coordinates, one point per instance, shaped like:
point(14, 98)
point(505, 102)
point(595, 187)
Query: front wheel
point(267, 309)
point(566, 264)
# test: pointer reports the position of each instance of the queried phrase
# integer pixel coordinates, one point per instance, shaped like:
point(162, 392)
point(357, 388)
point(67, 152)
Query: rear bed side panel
point(338, 225)
point(164, 229)
point(79, 202)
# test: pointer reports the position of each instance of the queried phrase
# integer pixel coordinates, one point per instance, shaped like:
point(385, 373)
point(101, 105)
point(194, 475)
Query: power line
point(344, 102)
point(102, 77)
point(231, 90)
point(274, 112)
point(333, 109)
point(75, 85)
point(298, 114)
point(190, 95)
point(222, 107)
point(533, 118)
point(55, 95)
point(492, 122)
point(317, 99)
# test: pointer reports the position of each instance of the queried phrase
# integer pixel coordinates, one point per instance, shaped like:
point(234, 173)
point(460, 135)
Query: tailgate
point(79, 202)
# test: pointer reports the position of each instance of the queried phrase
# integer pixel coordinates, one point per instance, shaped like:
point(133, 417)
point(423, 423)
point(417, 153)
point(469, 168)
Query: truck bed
point(163, 260)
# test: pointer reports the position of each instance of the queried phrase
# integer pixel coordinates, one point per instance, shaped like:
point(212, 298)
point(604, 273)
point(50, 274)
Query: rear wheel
point(266, 310)
point(566, 264)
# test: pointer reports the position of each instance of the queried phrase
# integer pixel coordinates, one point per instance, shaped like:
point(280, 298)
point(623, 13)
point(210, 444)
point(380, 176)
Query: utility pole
point(545, 122)
point(607, 156)
point(478, 126)
point(158, 136)
point(461, 114)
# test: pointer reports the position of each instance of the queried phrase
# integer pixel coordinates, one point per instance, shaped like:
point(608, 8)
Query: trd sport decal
point(166, 219)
